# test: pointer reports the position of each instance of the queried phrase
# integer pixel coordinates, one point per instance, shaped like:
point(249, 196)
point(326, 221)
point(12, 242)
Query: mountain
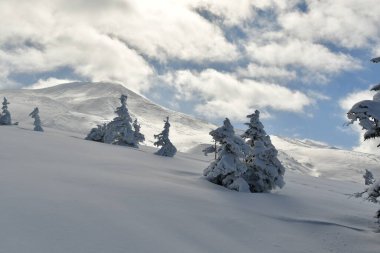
point(62, 194)
point(75, 108)
point(78, 107)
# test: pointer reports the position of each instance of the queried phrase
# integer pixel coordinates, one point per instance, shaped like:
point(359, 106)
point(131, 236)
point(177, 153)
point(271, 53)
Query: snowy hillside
point(78, 107)
point(63, 194)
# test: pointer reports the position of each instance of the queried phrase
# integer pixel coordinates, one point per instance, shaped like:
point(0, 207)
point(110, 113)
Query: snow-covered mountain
point(77, 107)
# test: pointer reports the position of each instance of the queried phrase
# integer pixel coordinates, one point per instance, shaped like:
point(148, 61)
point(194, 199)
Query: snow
point(63, 194)
point(78, 107)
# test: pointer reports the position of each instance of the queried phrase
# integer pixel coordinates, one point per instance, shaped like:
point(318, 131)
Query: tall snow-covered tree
point(5, 117)
point(139, 137)
point(163, 141)
point(229, 167)
point(264, 171)
point(367, 113)
point(37, 121)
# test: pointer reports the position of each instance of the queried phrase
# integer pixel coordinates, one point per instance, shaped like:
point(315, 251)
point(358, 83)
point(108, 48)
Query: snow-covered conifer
point(119, 130)
point(97, 133)
point(139, 137)
point(163, 141)
point(367, 112)
point(37, 121)
point(5, 117)
point(228, 169)
point(264, 171)
point(368, 177)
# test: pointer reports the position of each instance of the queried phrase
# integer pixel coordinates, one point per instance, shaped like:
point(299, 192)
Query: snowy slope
point(78, 107)
point(63, 194)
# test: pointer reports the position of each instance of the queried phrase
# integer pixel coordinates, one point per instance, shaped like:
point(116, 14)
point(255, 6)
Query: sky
point(302, 63)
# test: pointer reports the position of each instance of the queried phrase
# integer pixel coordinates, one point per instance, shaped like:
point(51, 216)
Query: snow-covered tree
point(228, 169)
point(211, 149)
point(372, 194)
point(163, 141)
point(37, 121)
point(368, 177)
point(5, 117)
point(118, 131)
point(97, 133)
point(367, 113)
point(139, 137)
point(255, 129)
point(264, 171)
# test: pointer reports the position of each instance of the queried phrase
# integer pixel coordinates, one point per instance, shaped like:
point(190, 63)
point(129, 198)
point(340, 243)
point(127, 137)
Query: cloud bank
point(227, 57)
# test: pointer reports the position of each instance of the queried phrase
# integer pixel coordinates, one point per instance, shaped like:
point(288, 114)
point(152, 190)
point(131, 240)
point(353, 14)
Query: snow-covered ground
point(63, 194)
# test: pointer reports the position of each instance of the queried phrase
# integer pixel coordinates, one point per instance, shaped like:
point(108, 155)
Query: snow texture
point(62, 194)
point(163, 141)
point(228, 168)
point(37, 121)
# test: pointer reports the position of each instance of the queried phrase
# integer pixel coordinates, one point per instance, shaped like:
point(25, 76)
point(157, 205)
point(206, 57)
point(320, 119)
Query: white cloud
point(50, 82)
point(346, 23)
point(222, 94)
point(301, 54)
point(262, 72)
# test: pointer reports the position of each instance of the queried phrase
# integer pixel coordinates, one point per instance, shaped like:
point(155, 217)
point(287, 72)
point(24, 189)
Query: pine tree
point(264, 171)
point(37, 121)
point(367, 112)
point(5, 117)
point(119, 130)
point(228, 169)
point(368, 177)
point(139, 137)
point(163, 141)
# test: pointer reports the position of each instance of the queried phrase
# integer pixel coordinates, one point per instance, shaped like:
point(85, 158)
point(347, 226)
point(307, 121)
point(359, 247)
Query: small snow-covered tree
point(97, 133)
point(264, 171)
point(163, 141)
point(372, 194)
point(368, 177)
point(228, 168)
point(139, 137)
point(37, 121)
point(5, 117)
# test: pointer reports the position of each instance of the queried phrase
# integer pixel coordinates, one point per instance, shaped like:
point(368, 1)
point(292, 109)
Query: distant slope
point(77, 107)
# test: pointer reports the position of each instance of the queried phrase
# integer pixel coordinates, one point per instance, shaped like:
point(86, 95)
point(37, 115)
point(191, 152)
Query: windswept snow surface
point(61, 194)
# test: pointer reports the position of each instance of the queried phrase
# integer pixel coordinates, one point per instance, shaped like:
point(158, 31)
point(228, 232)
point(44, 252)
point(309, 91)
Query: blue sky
point(300, 62)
